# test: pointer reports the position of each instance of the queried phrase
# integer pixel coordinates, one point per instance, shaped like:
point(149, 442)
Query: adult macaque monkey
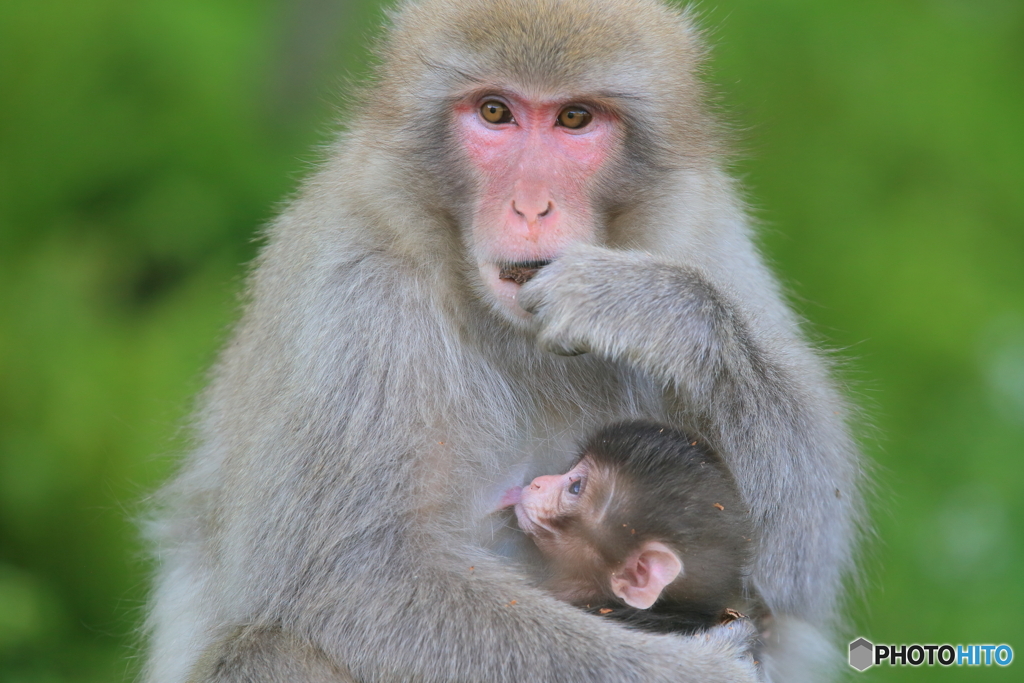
point(397, 369)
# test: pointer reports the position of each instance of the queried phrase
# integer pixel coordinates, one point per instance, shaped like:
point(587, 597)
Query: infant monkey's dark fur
point(646, 515)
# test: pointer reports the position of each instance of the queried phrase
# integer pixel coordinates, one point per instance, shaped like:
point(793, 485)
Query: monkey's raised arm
point(747, 379)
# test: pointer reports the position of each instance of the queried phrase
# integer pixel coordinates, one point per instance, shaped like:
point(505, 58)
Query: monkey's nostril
point(531, 214)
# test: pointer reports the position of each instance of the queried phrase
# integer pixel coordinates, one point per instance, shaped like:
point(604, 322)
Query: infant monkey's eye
point(574, 487)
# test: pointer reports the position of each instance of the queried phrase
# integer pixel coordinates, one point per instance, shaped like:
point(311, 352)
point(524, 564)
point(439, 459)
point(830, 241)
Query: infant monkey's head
point(645, 513)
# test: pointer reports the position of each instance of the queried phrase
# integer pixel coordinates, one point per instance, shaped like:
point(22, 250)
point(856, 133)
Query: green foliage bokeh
point(143, 143)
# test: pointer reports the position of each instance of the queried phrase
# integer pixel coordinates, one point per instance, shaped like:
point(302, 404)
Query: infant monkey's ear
point(645, 574)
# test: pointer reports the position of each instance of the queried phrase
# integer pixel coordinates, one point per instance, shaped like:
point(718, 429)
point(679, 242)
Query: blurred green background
point(144, 142)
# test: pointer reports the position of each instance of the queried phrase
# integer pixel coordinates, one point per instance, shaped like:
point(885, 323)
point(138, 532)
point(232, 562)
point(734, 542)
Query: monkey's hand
point(627, 305)
point(741, 636)
point(573, 299)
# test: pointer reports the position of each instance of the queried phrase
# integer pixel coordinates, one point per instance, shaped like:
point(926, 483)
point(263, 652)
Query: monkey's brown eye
point(574, 117)
point(574, 488)
point(495, 112)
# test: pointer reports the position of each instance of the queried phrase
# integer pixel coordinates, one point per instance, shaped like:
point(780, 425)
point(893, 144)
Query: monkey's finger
point(562, 347)
point(530, 297)
point(741, 634)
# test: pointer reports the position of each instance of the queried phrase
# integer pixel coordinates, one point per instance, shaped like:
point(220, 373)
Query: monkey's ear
point(646, 573)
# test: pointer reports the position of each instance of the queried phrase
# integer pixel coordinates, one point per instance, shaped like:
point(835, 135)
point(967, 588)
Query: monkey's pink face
point(550, 504)
point(536, 163)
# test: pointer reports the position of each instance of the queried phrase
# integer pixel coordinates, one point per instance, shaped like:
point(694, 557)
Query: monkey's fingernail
point(568, 351)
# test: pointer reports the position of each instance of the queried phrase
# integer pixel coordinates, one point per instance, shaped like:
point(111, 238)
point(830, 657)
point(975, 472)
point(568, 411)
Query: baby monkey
point(648, 527)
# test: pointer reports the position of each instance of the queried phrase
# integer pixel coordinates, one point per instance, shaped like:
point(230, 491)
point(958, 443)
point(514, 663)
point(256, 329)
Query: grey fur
point(372, 404)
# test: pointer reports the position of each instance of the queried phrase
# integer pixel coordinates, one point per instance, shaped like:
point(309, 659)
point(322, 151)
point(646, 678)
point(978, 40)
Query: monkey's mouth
point(520, 273)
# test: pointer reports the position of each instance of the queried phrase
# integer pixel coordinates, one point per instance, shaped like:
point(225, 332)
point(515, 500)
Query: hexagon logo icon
point(862, 654)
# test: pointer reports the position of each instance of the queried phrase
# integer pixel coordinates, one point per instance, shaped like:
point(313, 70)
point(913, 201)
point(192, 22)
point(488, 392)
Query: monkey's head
point(535, 125)
point(644, 512)
point(572, 519)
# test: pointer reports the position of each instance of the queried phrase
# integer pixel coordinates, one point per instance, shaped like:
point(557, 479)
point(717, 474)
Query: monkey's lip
point(520, 272)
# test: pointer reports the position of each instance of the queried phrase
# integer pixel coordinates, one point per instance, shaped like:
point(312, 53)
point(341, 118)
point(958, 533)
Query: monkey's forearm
point(448, 622)
point(391, 601)
point(668, 320)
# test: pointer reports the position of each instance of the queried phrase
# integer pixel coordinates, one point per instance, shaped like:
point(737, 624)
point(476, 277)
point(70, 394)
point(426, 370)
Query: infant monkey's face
point(568, 515)
point(556, 509)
